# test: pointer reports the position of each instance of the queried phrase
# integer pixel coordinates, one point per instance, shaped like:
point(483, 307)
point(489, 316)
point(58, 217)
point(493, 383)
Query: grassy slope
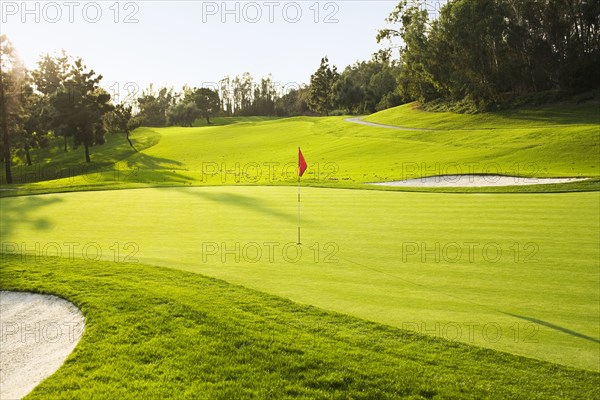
point(156, 333)
point(341, 154)
point(54, 163)
point(220, 121)
point(551, 116)
point(552, 294)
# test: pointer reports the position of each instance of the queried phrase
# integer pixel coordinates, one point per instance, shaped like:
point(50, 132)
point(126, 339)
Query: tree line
point(361, 88)
point(484, 51)
point(60, 98)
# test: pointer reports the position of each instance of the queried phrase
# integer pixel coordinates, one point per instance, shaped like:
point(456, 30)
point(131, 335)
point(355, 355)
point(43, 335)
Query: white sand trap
point(475, 181)
point(38, 332)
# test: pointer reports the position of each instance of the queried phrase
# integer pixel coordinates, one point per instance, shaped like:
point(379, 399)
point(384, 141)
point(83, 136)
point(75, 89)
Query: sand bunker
point(37, 333)
point(475, 181)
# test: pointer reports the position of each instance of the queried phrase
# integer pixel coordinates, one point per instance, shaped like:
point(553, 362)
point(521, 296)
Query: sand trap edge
point(37, 334)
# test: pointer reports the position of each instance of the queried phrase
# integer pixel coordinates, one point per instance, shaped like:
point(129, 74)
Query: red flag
point(301, 163)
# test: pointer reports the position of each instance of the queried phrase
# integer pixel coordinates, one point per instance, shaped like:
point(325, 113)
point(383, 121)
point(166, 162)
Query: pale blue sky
point(177, 42)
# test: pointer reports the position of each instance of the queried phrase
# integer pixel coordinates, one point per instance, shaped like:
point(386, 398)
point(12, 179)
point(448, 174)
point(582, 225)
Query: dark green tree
point(484, 51)
point(49, 79)
point(153, 106)
point(321, 97)
point(51, 73)
point(82, 105)
point(265, 96)
point(120, 120)
point(184, 113)
point(368, 86)
point(293, 103)
point(207, 102)
point(415, 78)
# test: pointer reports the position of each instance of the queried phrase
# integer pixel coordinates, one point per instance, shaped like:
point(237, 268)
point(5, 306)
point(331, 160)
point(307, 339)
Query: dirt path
point(38, 332)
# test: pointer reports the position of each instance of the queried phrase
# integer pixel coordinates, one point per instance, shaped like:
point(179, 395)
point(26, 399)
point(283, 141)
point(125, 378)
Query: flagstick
point(299, 209)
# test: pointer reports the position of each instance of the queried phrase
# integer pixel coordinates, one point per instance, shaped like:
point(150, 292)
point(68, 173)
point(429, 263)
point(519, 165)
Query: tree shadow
point(19, 211)
point(249, 203)
point(143, 168)
point(223, 121)
point(52, 162)
point(568, 115)
point(555, 327)
point(139, 167)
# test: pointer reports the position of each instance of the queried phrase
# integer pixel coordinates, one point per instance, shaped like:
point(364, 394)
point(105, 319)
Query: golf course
point(394, 199)
point(510, 276)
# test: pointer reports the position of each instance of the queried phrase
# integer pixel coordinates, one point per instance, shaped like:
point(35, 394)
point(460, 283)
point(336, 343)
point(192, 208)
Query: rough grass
point(158, 333)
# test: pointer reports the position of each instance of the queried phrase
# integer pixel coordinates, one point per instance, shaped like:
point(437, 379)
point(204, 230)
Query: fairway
point(513, 272)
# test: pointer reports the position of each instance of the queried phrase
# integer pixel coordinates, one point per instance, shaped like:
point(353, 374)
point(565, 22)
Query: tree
point(153, 106)
point(242, 94)
point(368, 86)
point(120, 120)
point(227, 101)
point(82, 105)
point(207, 102)
point(321, 98)
point(51, 73)
point(293, 103)
point(49, 79)
point(350, 92)
point(264, 97)
point(482, 51)
point(36, 126)
point(12, 80)
point(183, 113)
point(415, 77)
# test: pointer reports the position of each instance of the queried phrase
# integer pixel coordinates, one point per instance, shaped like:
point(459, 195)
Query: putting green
point(512, 272)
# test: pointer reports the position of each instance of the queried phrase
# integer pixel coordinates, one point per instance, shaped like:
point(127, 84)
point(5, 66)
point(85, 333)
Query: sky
point(172, 43)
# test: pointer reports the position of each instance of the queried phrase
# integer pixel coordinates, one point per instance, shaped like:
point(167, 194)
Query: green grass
point(532, 142)
point(545, 282)
point(220, 121)
point(157, 333)
point(233, 183)
point(549, 116)
point(54, 163)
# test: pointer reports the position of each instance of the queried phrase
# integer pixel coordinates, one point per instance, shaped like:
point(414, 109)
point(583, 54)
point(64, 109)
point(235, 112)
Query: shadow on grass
point(250, 203)
point(555, 327)
point(564, 114)
point(54, 163)
point(149, 169)
point(222, 121)
point(17, 212)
